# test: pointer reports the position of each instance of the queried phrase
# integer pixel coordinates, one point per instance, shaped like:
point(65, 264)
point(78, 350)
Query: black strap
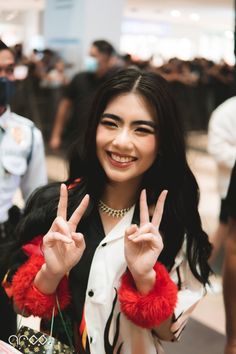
point(63, 323)
point(31, 147)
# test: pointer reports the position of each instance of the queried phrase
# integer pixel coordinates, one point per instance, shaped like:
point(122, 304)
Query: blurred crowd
point(199, 86)
point(59, 106)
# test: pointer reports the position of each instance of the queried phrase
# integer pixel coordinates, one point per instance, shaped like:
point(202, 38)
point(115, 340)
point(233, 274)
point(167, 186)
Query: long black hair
point(169, 171)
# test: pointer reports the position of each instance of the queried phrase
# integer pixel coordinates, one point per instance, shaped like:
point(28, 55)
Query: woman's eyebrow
point(135, 122)
point(150, 123)
point(112, 116)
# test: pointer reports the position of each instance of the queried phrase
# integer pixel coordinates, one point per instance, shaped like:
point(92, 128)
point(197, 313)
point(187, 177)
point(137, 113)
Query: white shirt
point(222, 141)
point(107, 267)
point(22, 159)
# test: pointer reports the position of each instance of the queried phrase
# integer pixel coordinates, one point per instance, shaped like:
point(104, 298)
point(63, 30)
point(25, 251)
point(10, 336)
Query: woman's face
point(126, 138)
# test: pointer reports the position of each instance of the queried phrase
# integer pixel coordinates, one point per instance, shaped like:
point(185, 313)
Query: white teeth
point(121, 158)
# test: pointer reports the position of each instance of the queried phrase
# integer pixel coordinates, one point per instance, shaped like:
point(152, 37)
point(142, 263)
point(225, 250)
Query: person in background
point(19, 57)
point(56, 77)
point(22, 165)
point(229, 273)
point(222, 146)
point(74, 105)
point(126, 261)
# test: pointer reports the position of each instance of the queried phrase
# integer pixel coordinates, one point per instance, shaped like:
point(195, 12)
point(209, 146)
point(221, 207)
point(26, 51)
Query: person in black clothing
point(229, 275)
point(78, 95)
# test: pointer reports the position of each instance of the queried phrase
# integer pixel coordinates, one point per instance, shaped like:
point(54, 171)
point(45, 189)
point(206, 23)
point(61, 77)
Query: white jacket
point(222, 141)
point(22, 159)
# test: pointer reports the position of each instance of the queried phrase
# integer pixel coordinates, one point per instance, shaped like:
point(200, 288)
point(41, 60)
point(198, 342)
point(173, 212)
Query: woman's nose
point(123, 139)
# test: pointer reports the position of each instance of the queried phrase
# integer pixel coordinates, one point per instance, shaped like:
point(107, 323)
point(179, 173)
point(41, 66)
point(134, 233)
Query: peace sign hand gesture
point(62, 246)
point(144, 244)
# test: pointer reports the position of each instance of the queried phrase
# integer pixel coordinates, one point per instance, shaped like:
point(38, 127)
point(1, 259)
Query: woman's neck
point(121, 195)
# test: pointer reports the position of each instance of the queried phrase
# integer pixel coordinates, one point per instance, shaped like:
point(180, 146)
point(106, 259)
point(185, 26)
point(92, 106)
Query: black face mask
point(7, 89)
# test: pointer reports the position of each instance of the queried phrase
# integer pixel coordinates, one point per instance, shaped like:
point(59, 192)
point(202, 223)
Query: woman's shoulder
point(42, 195)
point(47, 197)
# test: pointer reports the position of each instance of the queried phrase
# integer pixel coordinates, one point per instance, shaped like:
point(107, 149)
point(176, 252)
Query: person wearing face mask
point(74, 105)
point(22, 165)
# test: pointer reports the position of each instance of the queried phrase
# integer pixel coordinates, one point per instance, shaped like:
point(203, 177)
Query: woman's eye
point(144, 130)
point(109, 123)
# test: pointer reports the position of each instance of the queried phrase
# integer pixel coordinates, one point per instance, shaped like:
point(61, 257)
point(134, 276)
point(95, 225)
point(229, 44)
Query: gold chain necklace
point(115, 213)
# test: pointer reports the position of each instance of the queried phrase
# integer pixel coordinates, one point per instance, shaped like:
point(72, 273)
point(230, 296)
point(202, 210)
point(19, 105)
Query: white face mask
point(91, 64)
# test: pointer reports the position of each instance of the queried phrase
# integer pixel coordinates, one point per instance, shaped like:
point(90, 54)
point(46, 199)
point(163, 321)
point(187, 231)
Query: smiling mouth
point(122, 159)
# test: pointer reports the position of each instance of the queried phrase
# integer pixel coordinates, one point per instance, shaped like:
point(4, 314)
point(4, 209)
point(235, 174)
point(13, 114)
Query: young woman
point(120, 244)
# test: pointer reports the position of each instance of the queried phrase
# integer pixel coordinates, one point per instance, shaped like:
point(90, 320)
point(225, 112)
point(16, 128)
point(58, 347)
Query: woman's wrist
point(47, 282)
point(144, 303)
point(145, 282)
point(51, 275)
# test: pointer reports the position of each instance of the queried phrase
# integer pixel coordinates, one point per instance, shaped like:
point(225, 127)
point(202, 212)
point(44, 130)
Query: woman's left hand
point(144, 244)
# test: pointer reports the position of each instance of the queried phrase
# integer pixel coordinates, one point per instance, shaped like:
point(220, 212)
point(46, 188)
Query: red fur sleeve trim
point(149, 310)
point(28, 298)
point(74, 184)
point(34, 246)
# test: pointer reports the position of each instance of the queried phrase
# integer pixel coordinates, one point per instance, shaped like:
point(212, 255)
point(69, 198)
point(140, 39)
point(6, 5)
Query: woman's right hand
point(62, 246)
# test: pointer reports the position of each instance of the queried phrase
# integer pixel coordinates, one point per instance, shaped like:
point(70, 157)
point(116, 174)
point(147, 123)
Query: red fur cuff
point(149, 310)
point(28, 298)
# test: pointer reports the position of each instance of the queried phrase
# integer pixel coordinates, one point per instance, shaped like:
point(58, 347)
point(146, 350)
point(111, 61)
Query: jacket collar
point(4, 118)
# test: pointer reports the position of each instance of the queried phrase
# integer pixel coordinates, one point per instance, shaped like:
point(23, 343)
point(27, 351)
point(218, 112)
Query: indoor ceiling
point(21, 4)
point(214, 14)
point(155, 4)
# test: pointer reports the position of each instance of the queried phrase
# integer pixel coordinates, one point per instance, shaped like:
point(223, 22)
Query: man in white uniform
point(22, 165)
point(222, 147)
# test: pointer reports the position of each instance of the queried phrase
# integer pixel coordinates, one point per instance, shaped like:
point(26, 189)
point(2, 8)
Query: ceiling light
point(11, 15)
point(229, 34)
point(194, 17)
point(175, 13)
